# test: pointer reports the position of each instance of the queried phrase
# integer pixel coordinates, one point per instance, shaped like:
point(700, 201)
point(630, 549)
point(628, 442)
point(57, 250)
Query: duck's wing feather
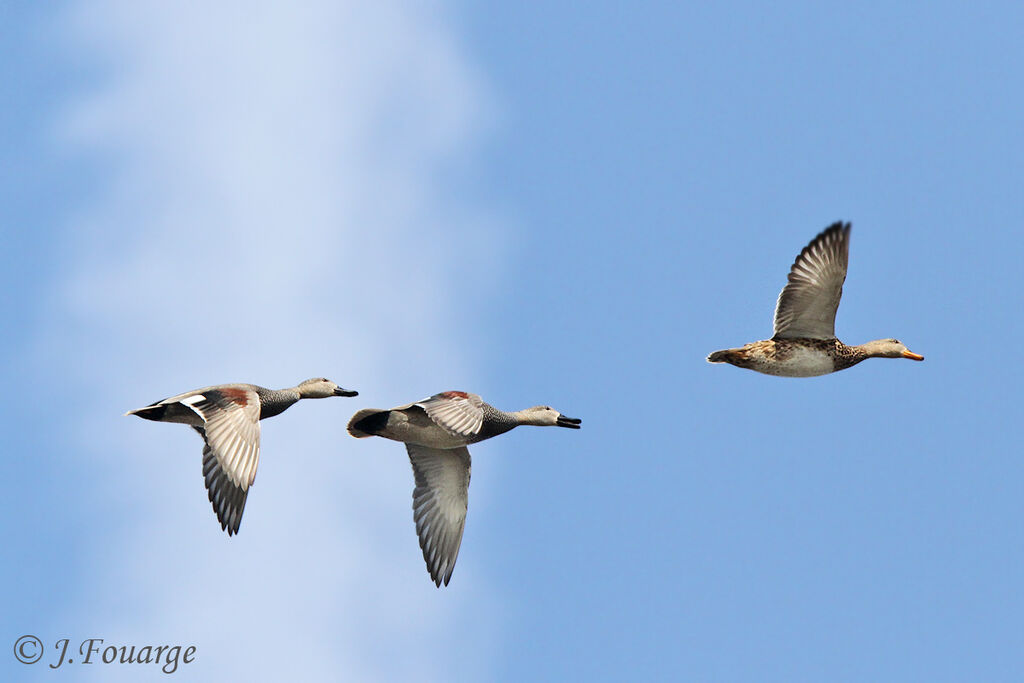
point(807, 305)
point(457, 412)
point(231, 455)
point(227, 498)
point(439, 504)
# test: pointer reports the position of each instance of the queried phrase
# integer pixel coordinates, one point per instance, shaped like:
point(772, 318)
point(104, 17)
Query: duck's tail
point(153, 412)
point(368, 422)
point(722, 356)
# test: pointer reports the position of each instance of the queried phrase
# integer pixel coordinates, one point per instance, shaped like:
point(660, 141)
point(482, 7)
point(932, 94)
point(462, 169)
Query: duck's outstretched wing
point(232, 449)
point(807, 305)
point(439, 504)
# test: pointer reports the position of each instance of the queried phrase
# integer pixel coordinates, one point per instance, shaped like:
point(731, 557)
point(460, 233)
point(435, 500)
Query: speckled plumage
point(781, 357)
point(804, 343)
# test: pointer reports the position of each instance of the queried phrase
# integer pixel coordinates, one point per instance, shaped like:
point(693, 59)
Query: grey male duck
point(804, 343)
point(436, 432)
point(228, 416)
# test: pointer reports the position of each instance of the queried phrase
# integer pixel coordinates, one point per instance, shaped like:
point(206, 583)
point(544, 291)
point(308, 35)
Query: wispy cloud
point(271, 211)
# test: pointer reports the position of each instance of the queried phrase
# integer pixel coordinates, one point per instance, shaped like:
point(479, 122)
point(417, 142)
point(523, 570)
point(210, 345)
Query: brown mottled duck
point(804, 343)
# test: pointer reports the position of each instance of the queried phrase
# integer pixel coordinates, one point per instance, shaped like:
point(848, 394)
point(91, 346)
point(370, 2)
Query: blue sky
point(572, 207)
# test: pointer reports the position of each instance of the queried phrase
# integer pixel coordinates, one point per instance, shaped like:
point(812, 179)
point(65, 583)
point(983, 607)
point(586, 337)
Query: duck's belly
point(798, 362)
point(416, 430)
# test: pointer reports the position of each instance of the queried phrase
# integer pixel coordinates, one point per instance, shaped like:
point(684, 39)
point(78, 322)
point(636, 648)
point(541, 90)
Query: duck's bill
point(570, 422)
point(912, 356)
point(345, 392)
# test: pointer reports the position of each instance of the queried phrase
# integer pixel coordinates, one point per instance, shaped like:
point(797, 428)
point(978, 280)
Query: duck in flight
point(228, 416)
point(436, 432)
point(804, 343)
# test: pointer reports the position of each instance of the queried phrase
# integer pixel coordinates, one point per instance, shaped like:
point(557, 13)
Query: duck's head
point(321, 387)
point(890, 348)
point(546, 416)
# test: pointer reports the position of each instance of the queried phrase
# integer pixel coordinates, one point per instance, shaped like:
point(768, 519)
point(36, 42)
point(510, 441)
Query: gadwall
point(805, 343)
point(435, 432)
point(228, 416)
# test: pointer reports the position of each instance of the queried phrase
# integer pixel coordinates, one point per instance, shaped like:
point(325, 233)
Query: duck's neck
point(498, 422)
point(276, 401)
point(848, 356)
point(521, 417)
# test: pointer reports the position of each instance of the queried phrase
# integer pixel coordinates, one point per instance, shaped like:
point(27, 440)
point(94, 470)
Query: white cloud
point(271, 211)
